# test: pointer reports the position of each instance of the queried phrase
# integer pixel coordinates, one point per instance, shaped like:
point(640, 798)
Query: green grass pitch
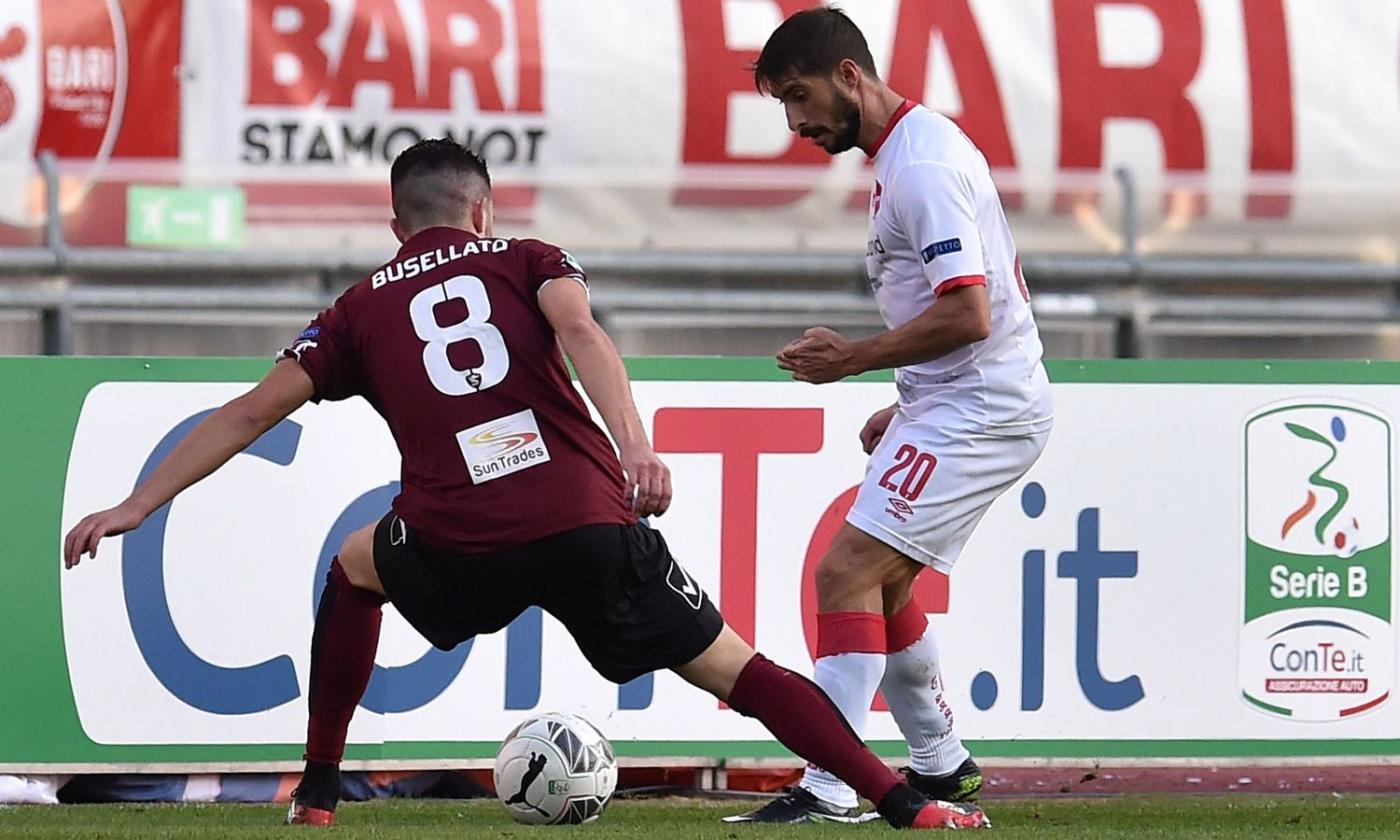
point(1227, 817)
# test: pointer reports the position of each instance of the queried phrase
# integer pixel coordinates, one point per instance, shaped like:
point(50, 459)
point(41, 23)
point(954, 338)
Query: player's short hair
point(435, 182)
point(812, 42)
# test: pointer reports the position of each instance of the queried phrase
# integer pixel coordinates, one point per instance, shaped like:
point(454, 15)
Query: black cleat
point(799, 805)
point(962, 785)
point(314, 800)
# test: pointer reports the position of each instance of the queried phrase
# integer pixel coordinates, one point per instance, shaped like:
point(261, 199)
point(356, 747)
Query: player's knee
point(841, 575)
point(833, 572)
point(856, 565)
point(356, 559)
point(851, 559)
point(717, 669)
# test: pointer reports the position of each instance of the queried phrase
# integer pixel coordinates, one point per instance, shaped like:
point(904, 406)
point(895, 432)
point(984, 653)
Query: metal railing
point(1128, 288)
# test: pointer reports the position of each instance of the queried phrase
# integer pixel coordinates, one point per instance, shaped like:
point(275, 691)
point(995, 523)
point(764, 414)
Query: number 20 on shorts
point(917, 468)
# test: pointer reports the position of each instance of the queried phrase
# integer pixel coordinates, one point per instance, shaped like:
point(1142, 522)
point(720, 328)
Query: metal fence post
point(55, 322)
point(56, 329)
point(1127, 186)
point(53, 214)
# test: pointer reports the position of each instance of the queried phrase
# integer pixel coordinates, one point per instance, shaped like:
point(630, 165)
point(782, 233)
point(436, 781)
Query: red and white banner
point(632, 122)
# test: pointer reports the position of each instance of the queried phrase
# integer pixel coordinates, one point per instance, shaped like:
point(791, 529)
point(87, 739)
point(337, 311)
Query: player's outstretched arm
point(208, 446)
point(604, 378)
point(959, 317)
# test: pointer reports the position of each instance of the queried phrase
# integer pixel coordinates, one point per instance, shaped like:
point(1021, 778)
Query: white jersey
point(936, 224)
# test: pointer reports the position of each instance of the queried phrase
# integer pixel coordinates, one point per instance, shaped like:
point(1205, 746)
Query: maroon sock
point(343, 644)
point(805, 720)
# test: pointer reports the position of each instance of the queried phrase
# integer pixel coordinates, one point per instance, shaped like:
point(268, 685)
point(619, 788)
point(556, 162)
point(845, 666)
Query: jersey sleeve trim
point(574, 277)
point(294, 354)
point(958, 282)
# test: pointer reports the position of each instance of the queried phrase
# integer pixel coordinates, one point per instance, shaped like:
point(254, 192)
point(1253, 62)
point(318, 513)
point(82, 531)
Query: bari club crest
point(63, 78)
point(11, 45)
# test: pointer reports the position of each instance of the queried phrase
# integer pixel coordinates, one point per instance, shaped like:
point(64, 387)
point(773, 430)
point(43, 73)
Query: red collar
point(904, 107)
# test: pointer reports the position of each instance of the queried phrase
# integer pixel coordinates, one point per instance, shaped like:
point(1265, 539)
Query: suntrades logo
point(1317, 642)
point(503, 446)
point(503, 440)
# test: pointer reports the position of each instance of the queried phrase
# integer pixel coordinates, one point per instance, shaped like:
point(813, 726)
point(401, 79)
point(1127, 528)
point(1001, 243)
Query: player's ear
point(484, 216)
point(848, 75)
point(398, 230)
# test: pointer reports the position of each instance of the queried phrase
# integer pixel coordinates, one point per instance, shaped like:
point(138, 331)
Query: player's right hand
point(875, 427)
point(648, 481)
point(83, 539)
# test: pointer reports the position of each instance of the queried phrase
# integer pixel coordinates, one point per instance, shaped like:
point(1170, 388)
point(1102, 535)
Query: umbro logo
point(899, 509)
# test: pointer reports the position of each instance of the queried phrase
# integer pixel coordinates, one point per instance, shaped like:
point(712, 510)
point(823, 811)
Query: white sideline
point(699, 763)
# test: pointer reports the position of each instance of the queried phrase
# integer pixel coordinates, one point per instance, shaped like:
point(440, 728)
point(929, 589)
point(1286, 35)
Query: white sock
point(850, 680)
point(913, 688)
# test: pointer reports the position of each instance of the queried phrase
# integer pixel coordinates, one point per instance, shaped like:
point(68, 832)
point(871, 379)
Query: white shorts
point(927, 486)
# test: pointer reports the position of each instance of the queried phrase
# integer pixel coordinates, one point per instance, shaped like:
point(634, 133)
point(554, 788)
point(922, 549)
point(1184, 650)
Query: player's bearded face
point(847, 124)
point(839, 128)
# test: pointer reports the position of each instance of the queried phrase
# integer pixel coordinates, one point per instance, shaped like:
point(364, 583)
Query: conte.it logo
point(1318, 642)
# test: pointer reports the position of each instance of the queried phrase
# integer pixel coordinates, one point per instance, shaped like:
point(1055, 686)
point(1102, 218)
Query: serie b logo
point(1318, 642)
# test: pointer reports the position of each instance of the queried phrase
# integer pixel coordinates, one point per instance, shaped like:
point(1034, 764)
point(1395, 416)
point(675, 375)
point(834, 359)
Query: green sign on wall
point(185, 217)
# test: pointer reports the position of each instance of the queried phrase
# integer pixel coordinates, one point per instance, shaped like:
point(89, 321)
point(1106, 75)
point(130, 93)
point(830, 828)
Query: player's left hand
point(648, 481)
point(874, 430)
point(83, 539)
point(820, 355)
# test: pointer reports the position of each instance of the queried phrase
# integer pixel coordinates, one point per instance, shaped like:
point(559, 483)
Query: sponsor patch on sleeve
point(569, 261)
point(938, 249)
point(305, 341)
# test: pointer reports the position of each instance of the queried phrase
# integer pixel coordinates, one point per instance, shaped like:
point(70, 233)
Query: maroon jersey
point(448, 343)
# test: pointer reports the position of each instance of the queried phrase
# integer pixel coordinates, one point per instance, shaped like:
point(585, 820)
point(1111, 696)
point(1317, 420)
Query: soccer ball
point(555, 768)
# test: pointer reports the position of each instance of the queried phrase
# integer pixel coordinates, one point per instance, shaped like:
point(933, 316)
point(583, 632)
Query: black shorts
point(628, 604)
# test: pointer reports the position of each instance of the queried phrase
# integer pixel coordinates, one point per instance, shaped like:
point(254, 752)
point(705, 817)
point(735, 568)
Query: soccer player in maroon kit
point(511, 496)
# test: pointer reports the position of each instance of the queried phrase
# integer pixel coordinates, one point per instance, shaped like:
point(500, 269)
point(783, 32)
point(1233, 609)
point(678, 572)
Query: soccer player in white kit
point(973, 410)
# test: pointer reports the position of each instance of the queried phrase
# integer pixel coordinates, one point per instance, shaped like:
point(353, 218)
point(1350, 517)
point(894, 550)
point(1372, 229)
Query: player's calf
point(803, 718)
point(940, 765)
point(343, 644)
